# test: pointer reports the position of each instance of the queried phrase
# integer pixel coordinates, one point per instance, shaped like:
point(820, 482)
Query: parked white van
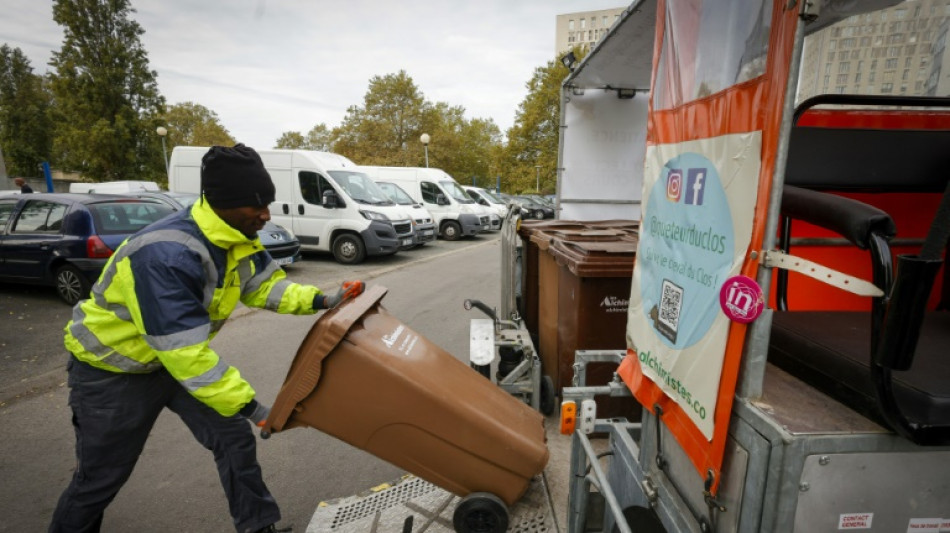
point(456, 214)
point(485, 198)
point(423, 225)
point(324, 198)
point(114, 187)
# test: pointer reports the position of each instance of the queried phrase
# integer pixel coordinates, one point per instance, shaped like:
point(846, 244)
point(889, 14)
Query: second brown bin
point(364, 377)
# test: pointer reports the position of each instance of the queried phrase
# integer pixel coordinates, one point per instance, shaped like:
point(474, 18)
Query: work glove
point(350, 289)
point(256, 412)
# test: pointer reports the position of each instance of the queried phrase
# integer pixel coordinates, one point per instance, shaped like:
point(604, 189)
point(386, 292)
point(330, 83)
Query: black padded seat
point(831, 351)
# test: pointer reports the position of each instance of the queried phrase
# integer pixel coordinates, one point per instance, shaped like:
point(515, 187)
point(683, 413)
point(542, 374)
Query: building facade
point(583, 29)
point(899, 51)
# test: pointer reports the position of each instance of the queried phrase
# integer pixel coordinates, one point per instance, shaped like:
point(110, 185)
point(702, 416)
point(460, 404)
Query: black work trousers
point(113, 414)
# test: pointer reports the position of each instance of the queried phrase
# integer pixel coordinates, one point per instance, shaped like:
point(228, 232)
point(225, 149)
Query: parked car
point(63, 240)
point(531, 208)
point(280, 243)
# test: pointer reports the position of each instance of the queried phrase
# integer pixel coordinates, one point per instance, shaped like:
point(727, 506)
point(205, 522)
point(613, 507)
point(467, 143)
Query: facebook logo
point(695, 185)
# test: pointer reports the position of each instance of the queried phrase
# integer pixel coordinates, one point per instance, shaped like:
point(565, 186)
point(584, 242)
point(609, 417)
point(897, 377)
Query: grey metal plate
point(884, 491)
point(384, 509)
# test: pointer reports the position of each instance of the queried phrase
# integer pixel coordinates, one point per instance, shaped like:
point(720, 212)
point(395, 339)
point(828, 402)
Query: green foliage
point(191, 124)
point(386, 131)
point(25, 127)
point(107, 99)
point(318, 138)
point(533, 139)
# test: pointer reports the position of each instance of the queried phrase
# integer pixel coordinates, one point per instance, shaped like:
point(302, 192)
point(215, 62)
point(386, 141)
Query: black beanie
point(235, 177)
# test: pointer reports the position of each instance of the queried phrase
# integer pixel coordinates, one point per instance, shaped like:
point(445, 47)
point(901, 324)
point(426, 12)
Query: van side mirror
point(441, 200)
point(330, 199)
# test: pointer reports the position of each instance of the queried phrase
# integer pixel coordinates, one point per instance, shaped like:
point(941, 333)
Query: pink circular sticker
point(741, 299)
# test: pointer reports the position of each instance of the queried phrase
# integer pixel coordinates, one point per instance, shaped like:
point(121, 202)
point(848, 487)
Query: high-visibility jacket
point(167, 291)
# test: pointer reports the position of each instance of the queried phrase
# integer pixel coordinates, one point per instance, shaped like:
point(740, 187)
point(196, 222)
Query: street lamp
point(537, 179)
point(162, 132)
point(425, 143)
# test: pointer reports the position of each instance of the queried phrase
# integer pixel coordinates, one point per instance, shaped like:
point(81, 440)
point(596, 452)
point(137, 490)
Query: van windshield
point(396, 193)
point(360, 187)
point(452, 189)
point(492, 199)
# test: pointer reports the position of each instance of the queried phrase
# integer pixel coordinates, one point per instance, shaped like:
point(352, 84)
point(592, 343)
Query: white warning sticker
point(920, 525)
point(855, 521)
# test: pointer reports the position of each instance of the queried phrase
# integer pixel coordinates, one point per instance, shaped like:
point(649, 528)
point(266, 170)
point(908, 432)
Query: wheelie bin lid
point(596, 259)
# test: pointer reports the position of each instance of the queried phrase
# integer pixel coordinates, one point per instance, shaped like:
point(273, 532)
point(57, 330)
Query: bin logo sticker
point(615, 304)
point(686, 249)
point(741, 299)
point(408, 342)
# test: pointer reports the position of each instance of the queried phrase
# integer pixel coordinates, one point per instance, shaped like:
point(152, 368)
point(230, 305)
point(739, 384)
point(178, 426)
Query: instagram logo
point(674, 185)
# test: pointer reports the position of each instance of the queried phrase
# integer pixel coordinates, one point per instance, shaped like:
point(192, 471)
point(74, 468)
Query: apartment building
point(583, 29)
point(899, 50)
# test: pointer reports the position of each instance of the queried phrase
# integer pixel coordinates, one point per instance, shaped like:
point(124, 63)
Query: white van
point(423, 225)
point(486, 199)
point(456, 214)
point(324, 198)
point(114, 187)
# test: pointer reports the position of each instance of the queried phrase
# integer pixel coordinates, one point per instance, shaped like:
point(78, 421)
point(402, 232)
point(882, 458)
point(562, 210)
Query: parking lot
point(174, 486)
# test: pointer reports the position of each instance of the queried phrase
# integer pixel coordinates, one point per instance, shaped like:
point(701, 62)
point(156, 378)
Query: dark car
point(64, 240)
point(280, 243)
point(531, 208)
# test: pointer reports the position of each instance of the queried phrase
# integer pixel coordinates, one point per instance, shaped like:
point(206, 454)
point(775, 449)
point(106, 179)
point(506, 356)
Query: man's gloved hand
point(256, 412)
point(350, 289)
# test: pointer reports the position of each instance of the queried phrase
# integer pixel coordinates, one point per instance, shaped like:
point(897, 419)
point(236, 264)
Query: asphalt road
point(175, 486)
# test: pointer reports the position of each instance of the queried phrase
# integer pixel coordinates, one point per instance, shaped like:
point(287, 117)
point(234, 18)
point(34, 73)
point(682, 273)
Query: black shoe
point(274, 529)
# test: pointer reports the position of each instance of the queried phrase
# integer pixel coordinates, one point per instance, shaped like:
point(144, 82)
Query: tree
point(291, 140)
point(191, 124)
point(25, 126)
point(386, 131)
point(318, 138)
point(533, 139)
point(107, 99)
point(381, 131)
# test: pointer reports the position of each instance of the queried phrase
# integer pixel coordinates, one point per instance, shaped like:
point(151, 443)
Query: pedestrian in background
point(24, 187)
point(140, 344)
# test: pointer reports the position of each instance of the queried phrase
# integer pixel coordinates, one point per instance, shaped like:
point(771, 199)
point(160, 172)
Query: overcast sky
point(270, 66)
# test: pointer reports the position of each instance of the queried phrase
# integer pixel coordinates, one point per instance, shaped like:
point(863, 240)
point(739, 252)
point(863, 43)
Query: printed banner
point(699, 202)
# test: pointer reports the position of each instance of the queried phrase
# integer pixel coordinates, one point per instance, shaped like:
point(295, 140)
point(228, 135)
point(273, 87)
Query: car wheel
point(71, 285)
point(348, 249)
point(539, 214)
point(451, 231)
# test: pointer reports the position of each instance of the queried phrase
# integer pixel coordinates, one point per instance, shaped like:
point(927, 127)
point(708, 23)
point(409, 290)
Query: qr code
point(671, 302)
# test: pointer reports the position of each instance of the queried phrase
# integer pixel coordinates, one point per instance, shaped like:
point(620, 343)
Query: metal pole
point(537, 178)
point(165, 155)
point(427, 155)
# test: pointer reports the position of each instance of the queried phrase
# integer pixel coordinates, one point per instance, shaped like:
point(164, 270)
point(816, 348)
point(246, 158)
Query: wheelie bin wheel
point(480, 512)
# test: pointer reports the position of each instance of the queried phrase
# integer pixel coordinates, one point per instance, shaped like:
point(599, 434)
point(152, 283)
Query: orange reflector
point(568, 417)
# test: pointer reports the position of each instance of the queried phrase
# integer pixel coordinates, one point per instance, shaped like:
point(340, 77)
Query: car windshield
point(395, 192)
point(360, 187)
point(116, 218)
point(492, 198)
point(456, 192)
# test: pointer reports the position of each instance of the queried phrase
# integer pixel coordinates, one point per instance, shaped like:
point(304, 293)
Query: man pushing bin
point(139, 344)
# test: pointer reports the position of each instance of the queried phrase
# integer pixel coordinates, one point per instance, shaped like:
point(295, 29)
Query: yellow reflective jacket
point(167, 291)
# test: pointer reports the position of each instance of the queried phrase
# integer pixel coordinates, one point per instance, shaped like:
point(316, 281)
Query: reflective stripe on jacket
point(167, 291)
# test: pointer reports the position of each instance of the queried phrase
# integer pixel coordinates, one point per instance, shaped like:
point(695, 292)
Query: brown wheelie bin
point(364, 377)
point(594, 280)
point(529, 273)
point(549, 323)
